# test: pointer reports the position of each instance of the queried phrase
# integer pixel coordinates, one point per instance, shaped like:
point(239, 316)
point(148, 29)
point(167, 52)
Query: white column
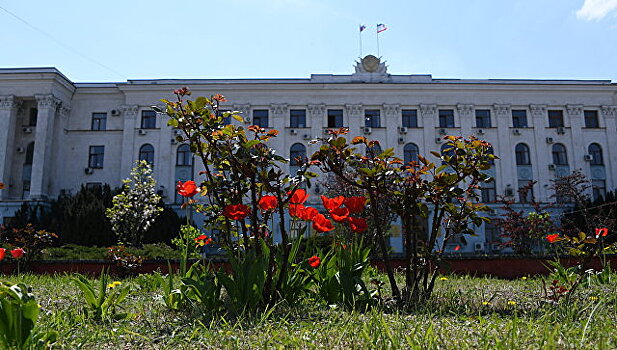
point(316, 119)
point(609, 113)
point(540, 152)
point(428, 113)
point(355, 118)
point(391, 121)
point(506, 168)
point(578, 149)
point(43, 140)
point(466, 118)
point(129, 113)
point(8, 117)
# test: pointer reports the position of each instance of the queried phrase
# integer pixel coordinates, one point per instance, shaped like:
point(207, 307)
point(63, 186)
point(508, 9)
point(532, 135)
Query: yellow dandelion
point(511, 302)
point(524, 278)
point(593, 297)
point(39, 305)
point(443, 279)
point(485, 303)
point(117, 283)
point(111, 285)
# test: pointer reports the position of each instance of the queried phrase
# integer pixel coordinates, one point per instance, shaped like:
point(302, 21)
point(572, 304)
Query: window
point(599, 189)
point(260, 117)
point(491, 232)
point(32, 117)
point(519, 118)
point(560, 156)
point(29, 154)
point(591, 119)
point(335, 118)
point(525, 191)
point(595, 151)
point(555, 119)
point(146, 152)
point(410, 152)
point(483, 118)
point(410, 118)
point(446, 118)
point(371, 118)
point(522, 154)
point(297, 157)
point(148, 119)
point(373, 151)
point(99, 121)
point(184, 157)
point(297, 118)
point(96, 157)
point(488, 193)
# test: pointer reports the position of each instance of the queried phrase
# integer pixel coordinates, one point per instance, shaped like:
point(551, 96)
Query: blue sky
point(293, 38)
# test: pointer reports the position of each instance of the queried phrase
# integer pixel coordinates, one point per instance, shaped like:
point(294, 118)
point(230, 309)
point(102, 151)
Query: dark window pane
point(297, 118)
point(148, 119)
point(297, 154)
point(560, 156)
point(335, 118)
point(184, 157)
point(488, 194)
point(410, 118)
point(522, 154)
point(33, 116)
point(599, 189)
point(591, 119)
point(372, 118)
point(595, 151)
point(99, 121)
point(260, 117)
point(483, 118)
point(555, 119)
point(519, 118)
point(146, 152)
point(446, 118)
point(96, 157)
point(410, 152)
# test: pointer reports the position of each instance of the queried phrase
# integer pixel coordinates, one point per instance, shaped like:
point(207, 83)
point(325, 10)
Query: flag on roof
point(362, 27)
point(381, 27)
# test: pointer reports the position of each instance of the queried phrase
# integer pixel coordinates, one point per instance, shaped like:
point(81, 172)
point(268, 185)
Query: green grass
point(456, 318)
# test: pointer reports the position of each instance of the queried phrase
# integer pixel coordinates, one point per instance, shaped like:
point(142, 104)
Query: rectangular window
point(99, 121)
point(260, 117)
point(555, 119)
point(34, 113)
point(519, 118)
point(599, 189)
point(148, 119)
point(483, 118)
point(371, 118)
point(491, 233)
point(410, 118)
point(488, 193)
point(525, 196)
point(335, 118)
point(96, 157)
point(591, 119)
point(446, 118)
point(297, 118)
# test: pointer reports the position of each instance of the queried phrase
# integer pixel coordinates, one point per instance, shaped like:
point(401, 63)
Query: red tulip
point(2, 253)
point(355, 204)
point(187, 189)
point(17, 253)
point(268, 203)
point(298, 196)
point(332, 203)
point(339, 214)
point(321, 224)
point(202, 240)
point(236, 211)
point(295, 210)
point(314, 261)
point(357, 225)
point(553, 238)
point(457, 248)
point(308, 213)
point(601, 232)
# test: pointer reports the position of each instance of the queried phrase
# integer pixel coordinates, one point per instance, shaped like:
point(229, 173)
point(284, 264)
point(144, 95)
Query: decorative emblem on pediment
point(538, 110)
point(391, 110)
point(574, 109)
point(502, 110)
point(316, 110)
point(428, 109)
point(279, 110)
point(609, 111)
point(371, 64)
point(464, 110)
point(354, 110)
point(129, 111)
point(47, 101)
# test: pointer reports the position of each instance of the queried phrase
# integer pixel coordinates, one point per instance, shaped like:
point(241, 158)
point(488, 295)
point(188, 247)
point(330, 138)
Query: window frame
point(591, 115)
point(597, 158)
point(261, 115)
point(559, 154)
point(94, 156)
point(148, 119)
point(335, 116)
point(483, 121)
point(142, 151)
point(446, 118)
point(519, 118)
point(372, 118)
point(411, 119)
point(522, 157)
point(297, 118)
point(409, 149)
point(555, 118)
point(99, 119)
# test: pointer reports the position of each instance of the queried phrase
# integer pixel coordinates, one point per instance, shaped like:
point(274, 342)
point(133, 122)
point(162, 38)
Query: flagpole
point(360, 36)
point(377, 33)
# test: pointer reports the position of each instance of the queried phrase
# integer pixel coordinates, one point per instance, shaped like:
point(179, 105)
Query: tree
point(135, 208)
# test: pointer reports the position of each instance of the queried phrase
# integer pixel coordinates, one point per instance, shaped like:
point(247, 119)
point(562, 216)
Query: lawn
point(465, 313)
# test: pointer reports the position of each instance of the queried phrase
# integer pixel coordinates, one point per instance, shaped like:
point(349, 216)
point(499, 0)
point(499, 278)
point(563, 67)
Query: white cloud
point(596, 9)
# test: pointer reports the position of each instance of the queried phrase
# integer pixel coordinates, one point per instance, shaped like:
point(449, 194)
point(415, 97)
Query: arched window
point(29, 153)
point(410, 152)
point(297, 154)
point(146, 152)
point(560, 157)
point(373, 151)
point(184, 157)
point(595, 151)
point(522, 154)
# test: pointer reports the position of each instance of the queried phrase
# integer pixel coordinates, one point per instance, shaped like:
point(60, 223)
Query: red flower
point(298, 196)
point(202, 240)
point(17, 253)
point(457, 248)
point(314, 261)
point(2, 253)
point(355, 204)
point(332, 203)
point(295, 210)
point(321, 224)
point(268, 202)
point(187, 189)
point(357, 225)
point(601, 232)
point(236, 211)
point(307, 213)
point(553, 238)
point(339, 214)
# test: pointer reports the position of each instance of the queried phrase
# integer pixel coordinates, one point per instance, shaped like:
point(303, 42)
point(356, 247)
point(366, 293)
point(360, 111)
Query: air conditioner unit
point(401, 140)
point(115, 112)
point(173, 141)
point(508, 192)
point(142, 132)
point(306, 136)
point(20, 150)
point(293, 131)
point(588, 157)
point(549, 140)
point(402, 130)
point(27, 130)
point(443, 131)
point(478, 246)
point(551, 167)
point(438, 140)
point(367, 130)
point(516, 131)
point(480, 131)
point(88, 171)
point(561, 130)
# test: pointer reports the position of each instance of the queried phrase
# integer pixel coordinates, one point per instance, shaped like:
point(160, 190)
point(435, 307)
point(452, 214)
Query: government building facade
point(56, 135)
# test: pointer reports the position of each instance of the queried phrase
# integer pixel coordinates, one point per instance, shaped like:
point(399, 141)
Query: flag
point(362, 27)
point(381, 27)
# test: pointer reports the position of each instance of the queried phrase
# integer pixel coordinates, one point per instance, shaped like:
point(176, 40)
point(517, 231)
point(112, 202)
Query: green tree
point(135, 208)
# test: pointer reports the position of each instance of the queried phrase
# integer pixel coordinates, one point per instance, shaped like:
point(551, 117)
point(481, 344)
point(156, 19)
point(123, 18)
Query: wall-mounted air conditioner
point(443, 131)
point(480, 131)
point(174, 142)
point(115, 112)
point(143, 132)
point(367, 130)
point(402, 130)
point(293, 131)
point(27, 130)
point(88, 171)
point(306, 136)
point(478, 246)
point(588, 157)
point(551, 167)
point(401, 140)
point(438, 140)
point(20, 150)
point(516, 131)
point(549, 140)
point(561, 130)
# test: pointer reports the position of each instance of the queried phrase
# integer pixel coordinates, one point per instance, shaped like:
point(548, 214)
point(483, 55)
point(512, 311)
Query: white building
point(56, 134)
